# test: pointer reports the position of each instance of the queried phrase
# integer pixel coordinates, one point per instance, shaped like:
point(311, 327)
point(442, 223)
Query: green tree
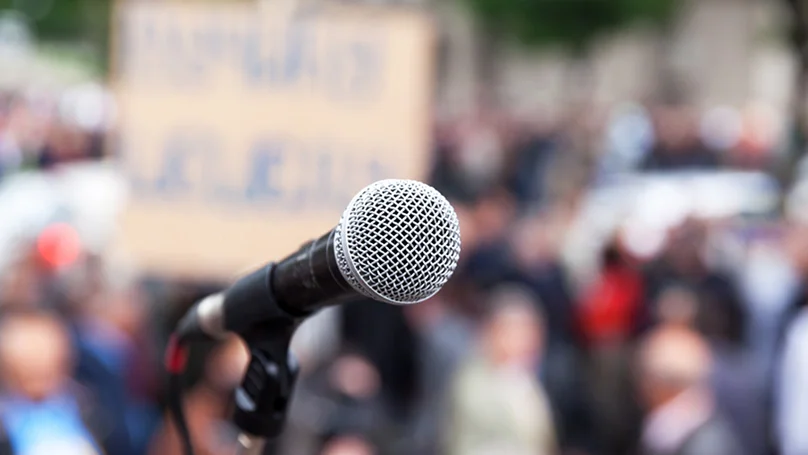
point(63, 19)
point(74, 21)
point(569, 23)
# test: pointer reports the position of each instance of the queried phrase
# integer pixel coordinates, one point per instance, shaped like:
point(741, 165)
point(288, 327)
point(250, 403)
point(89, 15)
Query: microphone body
point(310, 279)
point(398, 242)
point(293, 288)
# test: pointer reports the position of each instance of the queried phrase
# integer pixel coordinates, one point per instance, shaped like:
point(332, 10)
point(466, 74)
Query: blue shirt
point(52, 426)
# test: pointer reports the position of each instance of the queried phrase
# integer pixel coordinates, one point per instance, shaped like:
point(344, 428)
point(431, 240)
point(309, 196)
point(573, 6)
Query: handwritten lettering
point(188, 53)
point(278, 173)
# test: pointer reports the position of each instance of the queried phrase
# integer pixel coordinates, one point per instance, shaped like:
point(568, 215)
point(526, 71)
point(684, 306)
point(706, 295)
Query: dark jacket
point(713, 437)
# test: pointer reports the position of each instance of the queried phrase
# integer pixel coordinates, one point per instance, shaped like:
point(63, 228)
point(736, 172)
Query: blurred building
point(729, 52)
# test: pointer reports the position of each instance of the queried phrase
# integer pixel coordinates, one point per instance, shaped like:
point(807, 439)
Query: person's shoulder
point(90, 411)
point(5, 441)
point(714, 437)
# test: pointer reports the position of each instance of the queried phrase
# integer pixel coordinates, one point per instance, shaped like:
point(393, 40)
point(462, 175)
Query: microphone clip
point(262, 399)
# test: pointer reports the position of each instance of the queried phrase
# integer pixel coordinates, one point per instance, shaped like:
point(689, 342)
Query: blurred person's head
point(672, 359)
point(226, 365)
point(28, 125)
point(613, 256)
point(481, 153)
point(686, 246)
point(426, 314)
point(348, 445)
point(493, 214)
point(108, 292)
point(353, 376)
point(534, 241)
point(676, 128)
point(83, 282)
point(20, 285)
point(35, 354)
point(513, 332)
point(677, 305)
point(759, 134)
point(122, 309)
point(67, 142)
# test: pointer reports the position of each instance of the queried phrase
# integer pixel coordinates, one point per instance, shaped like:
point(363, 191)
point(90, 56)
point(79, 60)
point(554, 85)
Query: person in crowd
point(608, 317)
point(678, 145)
point(21, 284)
point(770, 279)
point(448, 175)
point(348, 444)
point(445, 336)
point(739, 377)
point(790, 402)
point(721, 314)
point(535, 256)
point(496, 404)
point(610, 307)
point(533, 156)
point(535, 253)
point(384, 337)
point(489, 264)
point(674, 364)
point(676, 306)
point(114, 356)
point(207, 405)
point(42, 411)
point(65, 144)
point(791, 399)
point(340, 398)
point(736, 377)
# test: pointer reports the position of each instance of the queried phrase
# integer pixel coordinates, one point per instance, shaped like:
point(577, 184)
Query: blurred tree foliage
point(64, 19)
point(569, 23)
point(71, 21)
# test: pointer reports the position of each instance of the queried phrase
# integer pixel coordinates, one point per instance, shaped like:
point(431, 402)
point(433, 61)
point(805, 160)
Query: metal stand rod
point(250, 445)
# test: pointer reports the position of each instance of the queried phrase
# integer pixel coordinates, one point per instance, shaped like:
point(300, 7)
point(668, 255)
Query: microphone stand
point(250, 445)
point(262, 399)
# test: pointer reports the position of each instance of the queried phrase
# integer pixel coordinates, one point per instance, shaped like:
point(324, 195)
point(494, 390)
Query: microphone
point(397, 242)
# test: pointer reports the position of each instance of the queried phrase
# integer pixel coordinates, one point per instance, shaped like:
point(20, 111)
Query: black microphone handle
point(290, 289)
point(298, 285)
point(309, 279)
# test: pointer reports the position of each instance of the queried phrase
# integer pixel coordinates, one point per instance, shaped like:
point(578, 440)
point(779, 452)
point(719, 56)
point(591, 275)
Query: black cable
point(175, 365)
point(175, 407)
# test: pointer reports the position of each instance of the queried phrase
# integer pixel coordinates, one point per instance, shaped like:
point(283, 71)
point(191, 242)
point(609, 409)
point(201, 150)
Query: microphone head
point(398, 241)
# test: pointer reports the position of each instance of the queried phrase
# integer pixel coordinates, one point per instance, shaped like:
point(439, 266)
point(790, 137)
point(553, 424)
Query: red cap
point(59, 245)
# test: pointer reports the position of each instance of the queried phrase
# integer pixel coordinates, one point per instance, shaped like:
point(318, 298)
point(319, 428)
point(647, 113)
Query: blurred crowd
point(41, 129)
point(688, 350)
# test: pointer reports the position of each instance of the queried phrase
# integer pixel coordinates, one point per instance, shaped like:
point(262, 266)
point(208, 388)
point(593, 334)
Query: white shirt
point(792, 394)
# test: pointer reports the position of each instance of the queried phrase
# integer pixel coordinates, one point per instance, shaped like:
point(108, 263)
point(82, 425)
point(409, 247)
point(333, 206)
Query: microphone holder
point(262, 399)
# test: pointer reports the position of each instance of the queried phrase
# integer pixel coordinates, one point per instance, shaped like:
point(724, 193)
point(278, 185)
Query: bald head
point(677, 354)
point(673, 359)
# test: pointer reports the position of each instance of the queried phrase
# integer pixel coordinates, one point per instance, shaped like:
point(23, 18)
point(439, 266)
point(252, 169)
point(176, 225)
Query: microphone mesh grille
point(398, 241)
